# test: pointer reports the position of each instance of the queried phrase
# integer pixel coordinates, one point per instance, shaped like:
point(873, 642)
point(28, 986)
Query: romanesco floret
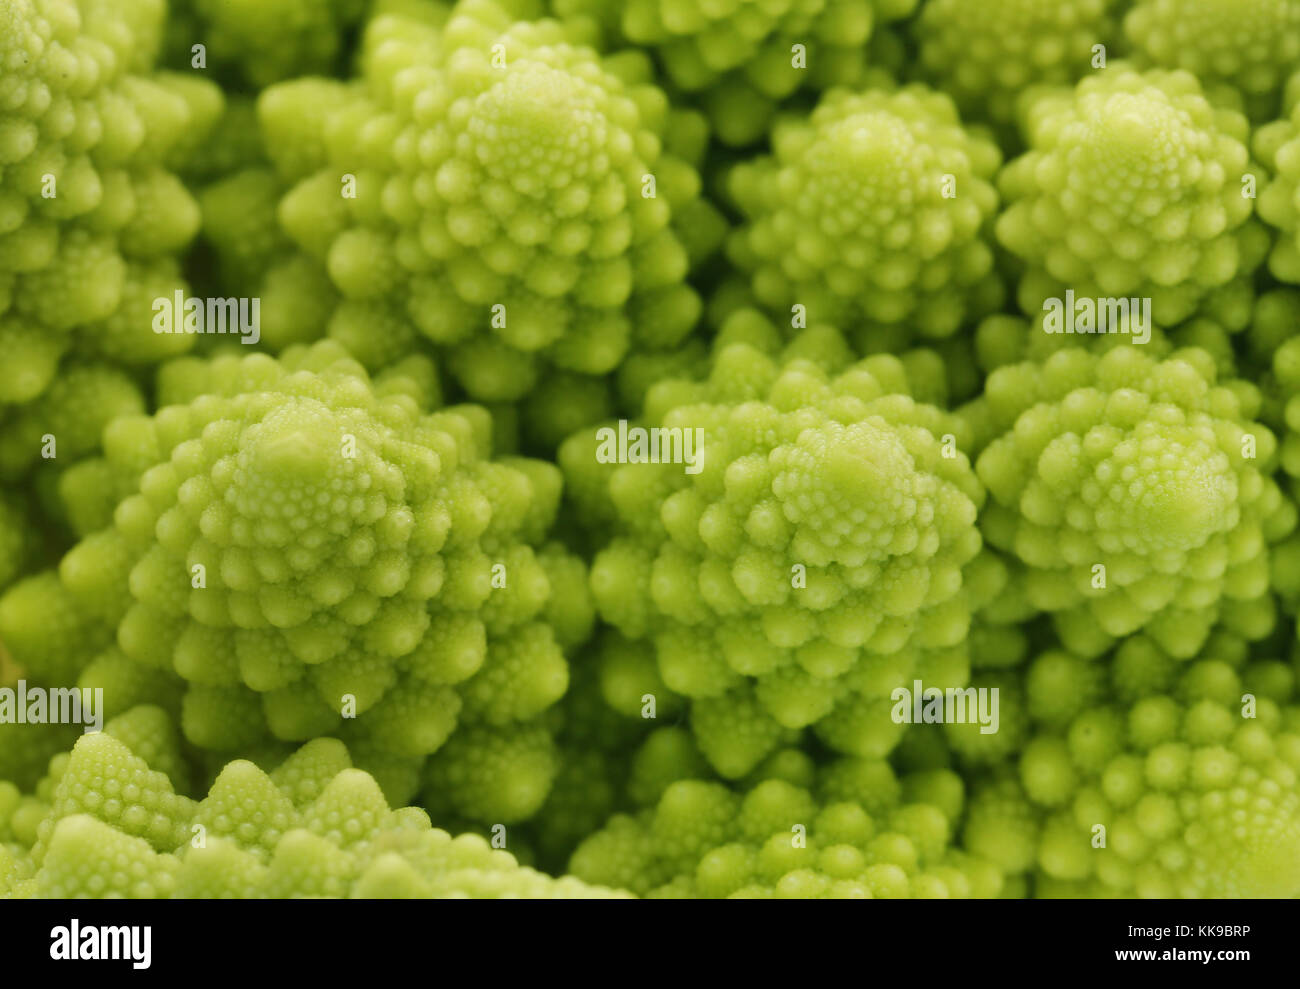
point(1250, 45)
point(312, 554)
point(1238, 349)
point(315, 586)
point(851, 836)
point(1132, 187)
point(1006, 339)
point(314, 827)
point(745, 59)
point(89, 207)
point(1278, 145)
point(985, 55)
point(874, 210)
point(800, 569)
point(514, 199)
point(1135, 492)
point(66, 422)
point(1146, 776)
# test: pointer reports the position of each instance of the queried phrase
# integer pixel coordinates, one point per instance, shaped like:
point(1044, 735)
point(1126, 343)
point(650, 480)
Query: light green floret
point(496, 775)
point(985, 55)
point(821, 547)
point(1150, 777)
point(1135, 492)
point(315, 827)
point(873, 211)
point(106, 780)
point(66, 422)
point(312, 553)
point(142, 750)
point(1249, 44)
point(746, 58)
point(1133, 187)
point(90, 208)
point(851, 835)
point(45, 629)
point(90, 489)
point(1238, 349)
point(939, 373)
point(1278, 145)
point(1005, 339)
point(516, 198)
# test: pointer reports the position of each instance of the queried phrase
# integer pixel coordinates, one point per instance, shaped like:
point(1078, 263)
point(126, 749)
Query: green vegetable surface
point(673, 448)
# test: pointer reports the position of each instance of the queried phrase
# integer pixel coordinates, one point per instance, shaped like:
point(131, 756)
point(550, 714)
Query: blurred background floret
point(986, 55)
point(1245, 46)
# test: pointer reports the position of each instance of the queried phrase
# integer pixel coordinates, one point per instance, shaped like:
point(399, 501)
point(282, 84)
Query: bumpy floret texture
point(667, 658)
point(818, 549)
point(985, 55)
point(65, 423)
point(512, 191)
point(1133, 186)
point(1236, 349)
point(1286, 371)
point(314, 827)
point(1136, 493)
point(874, 209)
point(1250, 45)
point(1151, 777)
point(852, 835)
point(1278, 146)
point(745, 59)
point(311, 553)
point(612, 757)
point(90, 207)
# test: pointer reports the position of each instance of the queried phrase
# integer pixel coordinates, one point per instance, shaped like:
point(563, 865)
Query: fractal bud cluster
point(569, 448)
